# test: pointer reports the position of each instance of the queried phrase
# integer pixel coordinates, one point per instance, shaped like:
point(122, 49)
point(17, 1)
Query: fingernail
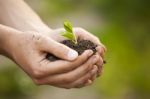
point(89, 82)
point(100, 49)
point(72, 55)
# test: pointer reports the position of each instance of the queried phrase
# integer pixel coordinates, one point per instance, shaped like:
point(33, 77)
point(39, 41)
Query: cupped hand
point(29, 50)
point(82, 34)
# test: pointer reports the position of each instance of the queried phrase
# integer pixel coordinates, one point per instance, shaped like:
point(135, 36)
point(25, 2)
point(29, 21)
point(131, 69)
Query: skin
point(83, 35)
point(28, 40)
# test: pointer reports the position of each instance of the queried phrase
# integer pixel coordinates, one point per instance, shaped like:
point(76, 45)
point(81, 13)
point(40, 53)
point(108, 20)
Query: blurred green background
point(122, 25)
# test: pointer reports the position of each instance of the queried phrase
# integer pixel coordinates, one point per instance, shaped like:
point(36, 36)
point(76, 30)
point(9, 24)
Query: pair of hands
point(29, 50)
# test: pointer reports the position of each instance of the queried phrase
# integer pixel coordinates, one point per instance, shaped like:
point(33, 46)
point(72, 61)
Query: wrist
point(2, 39)
point(39, 27)
point(6, 34)
point(27, 19)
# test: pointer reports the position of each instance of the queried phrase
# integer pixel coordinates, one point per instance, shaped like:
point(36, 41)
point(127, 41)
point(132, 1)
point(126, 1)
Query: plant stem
point(75, 39)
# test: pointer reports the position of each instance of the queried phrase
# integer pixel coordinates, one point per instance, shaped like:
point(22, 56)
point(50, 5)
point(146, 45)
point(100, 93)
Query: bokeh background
point(122, 25)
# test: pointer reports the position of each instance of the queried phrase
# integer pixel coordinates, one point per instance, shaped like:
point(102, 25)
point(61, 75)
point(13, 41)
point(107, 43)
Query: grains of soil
point(80, 47)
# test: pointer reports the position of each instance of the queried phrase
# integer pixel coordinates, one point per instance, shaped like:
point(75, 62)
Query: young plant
point(69, 34)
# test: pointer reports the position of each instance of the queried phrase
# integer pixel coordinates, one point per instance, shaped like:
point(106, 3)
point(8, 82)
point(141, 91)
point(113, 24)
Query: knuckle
point(34, 37)
point(37, 73)
point(95, 68)
point(37, 38)
point(87, 55)
point(84, 57)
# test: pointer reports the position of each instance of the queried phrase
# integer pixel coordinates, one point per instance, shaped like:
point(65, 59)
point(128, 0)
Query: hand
point(84, 35)
point(29, 49)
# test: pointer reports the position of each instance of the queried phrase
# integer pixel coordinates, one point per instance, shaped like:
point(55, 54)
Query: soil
point(80, 47)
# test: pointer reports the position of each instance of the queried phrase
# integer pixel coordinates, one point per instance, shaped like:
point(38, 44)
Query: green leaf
point(68, 26)
point(67, 35)
point(69, 32)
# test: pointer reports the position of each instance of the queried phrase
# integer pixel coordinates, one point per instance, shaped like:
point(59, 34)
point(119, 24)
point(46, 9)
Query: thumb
point(59, 50)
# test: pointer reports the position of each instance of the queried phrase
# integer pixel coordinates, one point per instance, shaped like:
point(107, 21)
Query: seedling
point(68, 33)
point(80, 46)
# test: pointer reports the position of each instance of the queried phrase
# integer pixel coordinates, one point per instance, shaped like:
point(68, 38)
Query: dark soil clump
point(80, 47)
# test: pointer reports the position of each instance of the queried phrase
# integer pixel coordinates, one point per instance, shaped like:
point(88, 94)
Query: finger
point(61, 66)
point(85, 35)
point(86, 79)
point(100, 71)
point(81, 82)
point(58, 49)
point(100, 61)
point(89, 82)
point(93, 77)
point(99, 64)
point(101, 50)
point(71, 76)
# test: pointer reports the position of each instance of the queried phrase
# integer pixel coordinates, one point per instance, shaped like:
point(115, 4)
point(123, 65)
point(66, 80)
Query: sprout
point(68, 34)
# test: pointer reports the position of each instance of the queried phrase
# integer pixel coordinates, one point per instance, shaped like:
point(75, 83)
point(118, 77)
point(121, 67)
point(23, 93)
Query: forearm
point(5, 34)
point(17, 14)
